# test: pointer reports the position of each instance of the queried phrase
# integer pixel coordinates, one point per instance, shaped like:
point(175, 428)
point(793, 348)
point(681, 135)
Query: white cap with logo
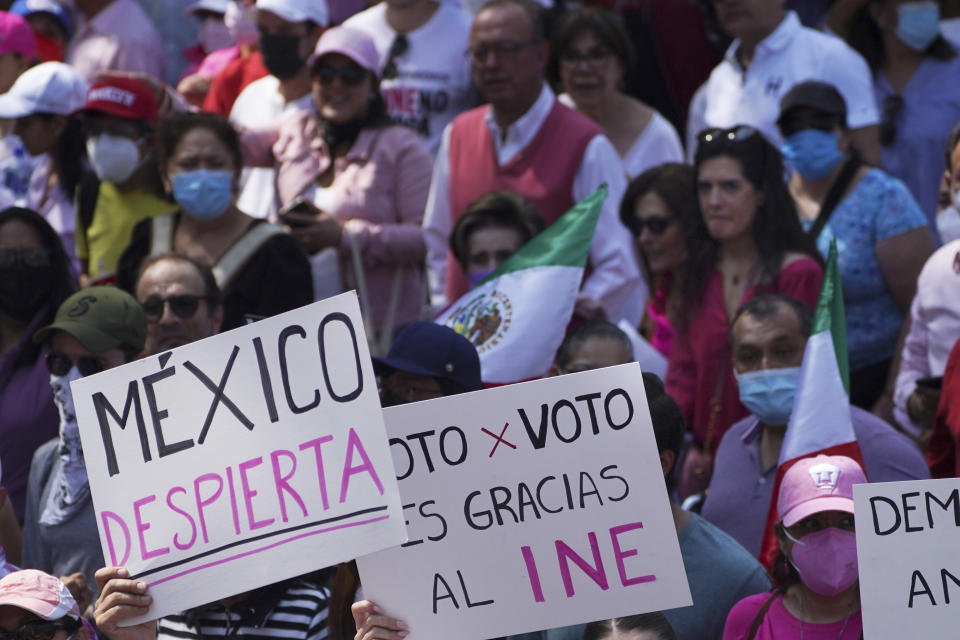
point(298, 10)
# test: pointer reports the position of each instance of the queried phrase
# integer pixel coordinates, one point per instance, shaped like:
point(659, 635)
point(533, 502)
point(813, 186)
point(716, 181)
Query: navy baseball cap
point(429, 349)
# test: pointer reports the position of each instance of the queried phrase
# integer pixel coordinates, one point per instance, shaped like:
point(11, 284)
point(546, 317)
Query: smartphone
point(299, 205)
point(933, 382)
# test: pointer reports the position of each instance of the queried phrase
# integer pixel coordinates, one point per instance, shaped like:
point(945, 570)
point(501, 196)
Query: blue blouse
point(878, 208)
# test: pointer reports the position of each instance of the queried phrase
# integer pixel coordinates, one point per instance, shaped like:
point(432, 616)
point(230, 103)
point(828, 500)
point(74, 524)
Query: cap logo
point(81, 307)
point(825, 476)
point(112, 94)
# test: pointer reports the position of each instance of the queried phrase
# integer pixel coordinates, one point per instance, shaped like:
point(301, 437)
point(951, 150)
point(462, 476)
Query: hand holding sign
point(373, 624)
point(122, 599)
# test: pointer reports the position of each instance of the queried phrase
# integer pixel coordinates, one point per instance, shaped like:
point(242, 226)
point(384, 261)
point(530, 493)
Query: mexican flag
point(820, 421)
point(517, 316)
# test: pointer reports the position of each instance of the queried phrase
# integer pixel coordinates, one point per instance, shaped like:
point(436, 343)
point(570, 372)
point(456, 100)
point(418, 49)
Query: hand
point(121, 599)
point(371, 623)
point(588, 309)
point(76, 584)
point(314, 231)
point(922, 405)
point(194, 89)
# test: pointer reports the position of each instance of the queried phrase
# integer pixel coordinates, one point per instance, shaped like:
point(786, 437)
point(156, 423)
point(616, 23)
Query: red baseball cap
point(123, 98)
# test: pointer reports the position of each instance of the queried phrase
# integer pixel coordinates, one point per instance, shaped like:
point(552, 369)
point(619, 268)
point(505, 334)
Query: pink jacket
point(380, 191)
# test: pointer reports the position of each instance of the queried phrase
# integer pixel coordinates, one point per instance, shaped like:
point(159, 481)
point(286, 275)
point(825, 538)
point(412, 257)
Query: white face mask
point(114, 158)
point(955, 199)
point(214, 35)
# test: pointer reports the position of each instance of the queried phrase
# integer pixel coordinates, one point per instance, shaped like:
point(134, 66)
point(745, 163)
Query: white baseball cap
point(298, 10)
point(214, 6)
point(49, 87)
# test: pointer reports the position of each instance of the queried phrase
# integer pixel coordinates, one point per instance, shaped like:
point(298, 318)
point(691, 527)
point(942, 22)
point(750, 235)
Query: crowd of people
point(172, 169)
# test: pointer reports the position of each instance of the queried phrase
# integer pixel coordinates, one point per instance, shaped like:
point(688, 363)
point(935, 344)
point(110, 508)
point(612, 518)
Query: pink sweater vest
point(543, 172)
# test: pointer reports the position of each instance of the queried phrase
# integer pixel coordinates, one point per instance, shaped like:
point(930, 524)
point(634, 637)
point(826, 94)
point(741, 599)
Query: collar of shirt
point(522, 132)
point(782, 36)
point(751, 442)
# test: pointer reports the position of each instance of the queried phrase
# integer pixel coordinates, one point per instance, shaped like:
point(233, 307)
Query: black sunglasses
point(31, 257)
point(60, 365)
point(41, 630)
point(892, 106)
point(656, 224)
point(183, 306)
point(398, 48)
point(820, 123)
point(350, 75)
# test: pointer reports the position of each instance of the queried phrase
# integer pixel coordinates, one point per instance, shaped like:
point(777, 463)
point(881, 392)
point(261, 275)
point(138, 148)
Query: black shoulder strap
point(758, 620)
point(87, 193)
point(837, 189)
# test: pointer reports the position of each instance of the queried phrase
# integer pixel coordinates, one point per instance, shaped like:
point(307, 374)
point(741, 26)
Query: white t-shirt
point(656, 144)
point(260, 104)
point(790, 55)
point(433, 83)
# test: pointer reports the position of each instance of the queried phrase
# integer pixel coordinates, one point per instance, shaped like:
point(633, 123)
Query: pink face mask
point(826, 560)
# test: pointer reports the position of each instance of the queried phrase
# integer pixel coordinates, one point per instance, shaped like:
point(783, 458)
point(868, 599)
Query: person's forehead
point(493, 236)
point(502, 22)
point(168, 277)
point(269, 20)
point(606, 350)
point(17, 234)
point(782, 324)
point(12, 617)
point(415, 379)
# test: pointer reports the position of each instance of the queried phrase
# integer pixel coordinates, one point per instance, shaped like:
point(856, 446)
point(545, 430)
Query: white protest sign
point(244, 459)
point(528, 506)
point(908, 536)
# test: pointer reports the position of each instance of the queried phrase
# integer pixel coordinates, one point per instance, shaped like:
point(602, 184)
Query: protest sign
point(243, 459)
point(907, 539)
point(528, 506)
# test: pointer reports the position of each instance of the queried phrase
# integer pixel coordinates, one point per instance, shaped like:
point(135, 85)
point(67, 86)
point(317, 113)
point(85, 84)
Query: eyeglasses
point(60, 365)
point(656, 224)
point(595, 58)
point(350, 75)
point(820, 123)
point(892, 107)
point(31, 257)
point(41, 630)
point(503, 49)
point(183, 306)
point(736, 134)
point(398, 48)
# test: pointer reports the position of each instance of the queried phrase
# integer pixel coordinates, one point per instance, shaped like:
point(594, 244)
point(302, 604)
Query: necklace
point(803, 610)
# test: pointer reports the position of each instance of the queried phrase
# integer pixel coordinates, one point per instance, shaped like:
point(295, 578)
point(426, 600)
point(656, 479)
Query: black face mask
point(281, 55)
point(24, 289)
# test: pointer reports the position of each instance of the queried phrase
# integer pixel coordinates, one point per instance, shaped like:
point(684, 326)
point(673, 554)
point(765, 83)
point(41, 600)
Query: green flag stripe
point(565, 243)
point(831, 316)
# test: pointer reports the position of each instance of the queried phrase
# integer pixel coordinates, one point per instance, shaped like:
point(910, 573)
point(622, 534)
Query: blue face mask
point(918, 24)
point(812, 152)
point(768, 393)
point(203, 194)
point(474, 277)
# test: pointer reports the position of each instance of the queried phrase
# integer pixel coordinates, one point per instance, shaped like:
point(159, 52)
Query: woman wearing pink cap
point(817, 564)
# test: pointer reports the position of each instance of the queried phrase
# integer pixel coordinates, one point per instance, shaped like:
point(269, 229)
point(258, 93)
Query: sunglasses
point(349, 75)
point(656, 224)
point(60, 365)
point(736, 134)
point(891, 109)
point(41, 630)
point(183, 306)
point(820, 123)
point(31, 257)
point(398, 48)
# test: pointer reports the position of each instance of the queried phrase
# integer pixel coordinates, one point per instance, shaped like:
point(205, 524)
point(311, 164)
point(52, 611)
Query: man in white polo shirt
point(772, 52)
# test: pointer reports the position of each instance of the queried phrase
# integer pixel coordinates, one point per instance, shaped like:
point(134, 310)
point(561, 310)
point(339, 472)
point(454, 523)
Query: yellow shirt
point(115, 215)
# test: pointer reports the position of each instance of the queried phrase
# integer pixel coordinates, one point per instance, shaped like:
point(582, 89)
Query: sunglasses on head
point(742, 132)
point(60, 365)
point(41, 629)
point(656, 224)
point(183, 306)
point(350, 75)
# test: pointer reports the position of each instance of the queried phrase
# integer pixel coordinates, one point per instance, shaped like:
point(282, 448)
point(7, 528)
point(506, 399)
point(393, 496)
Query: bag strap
point(240, 253)
point(835, 194)
point(761, 614)
point(161, 234)
point(716, 403)
point(379, 346)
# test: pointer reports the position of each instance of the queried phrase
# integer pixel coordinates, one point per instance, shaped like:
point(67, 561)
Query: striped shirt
point(294, 610)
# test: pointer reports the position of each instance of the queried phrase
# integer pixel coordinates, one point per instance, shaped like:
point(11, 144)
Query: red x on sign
point(498, 438)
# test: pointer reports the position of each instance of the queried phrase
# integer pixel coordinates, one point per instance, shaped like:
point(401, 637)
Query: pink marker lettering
point(282, 481)
point(105, 517)
point(234, 508)
point(193, 525)
point(565, 553)
point(142, 528)
point(619, 554)
point(532, 573)
point(354, 444)
point(315, 445)
point(249, 493)
point(202, 502)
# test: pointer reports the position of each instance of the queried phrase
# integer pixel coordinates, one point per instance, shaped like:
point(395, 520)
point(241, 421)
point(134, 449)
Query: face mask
point(71, 488)
point(768, 393)
point(475, 277)
point(203, 194)
point(241, 22)
point(826, 560)
point(955, 199)
point(114, 158)
point(214, 35)
point(24, 289)
point(918, 24)
point(813, 153)
point(281, 55)
point(48, 50)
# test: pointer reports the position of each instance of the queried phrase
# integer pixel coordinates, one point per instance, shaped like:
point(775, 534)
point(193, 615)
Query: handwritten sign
point(528, 506)
point(244, 459)
point(907, 539)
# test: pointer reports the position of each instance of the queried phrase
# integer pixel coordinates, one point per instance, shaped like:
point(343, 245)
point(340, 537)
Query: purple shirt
point(28, 416)
point(738, 499)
